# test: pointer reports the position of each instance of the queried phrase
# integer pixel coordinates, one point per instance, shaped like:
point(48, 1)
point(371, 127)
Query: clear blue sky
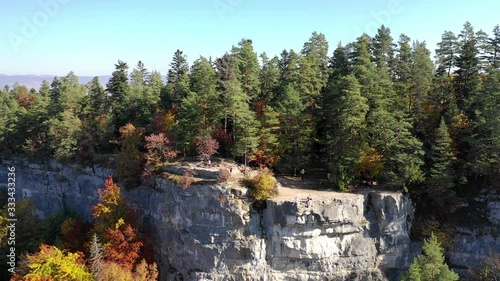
point(89, 36)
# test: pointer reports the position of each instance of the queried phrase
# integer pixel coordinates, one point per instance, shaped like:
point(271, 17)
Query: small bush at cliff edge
point(262, 186)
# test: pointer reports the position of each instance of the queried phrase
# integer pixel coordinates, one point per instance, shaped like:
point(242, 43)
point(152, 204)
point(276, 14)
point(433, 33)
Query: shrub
point(187, 178)
point(223, 175)
point(263, 185)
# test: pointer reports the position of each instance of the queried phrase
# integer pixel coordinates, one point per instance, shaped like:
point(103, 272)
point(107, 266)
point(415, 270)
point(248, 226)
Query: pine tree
point(441, 172)
point(430, 266)
point(446, 53)
point(484, 155)
point(289, 66)
point(494, 50)
point(467, 81)
point(421, 73)
point(314, 68)
point(296, 130)
point(383, 52)
point(119, 91)
point(402, 69)
point(269, 79)
point(247, 66)
point(203, 84)
point(345, 137)
point(177, 81)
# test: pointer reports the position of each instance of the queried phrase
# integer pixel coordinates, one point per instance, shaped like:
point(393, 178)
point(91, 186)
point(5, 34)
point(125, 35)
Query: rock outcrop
point(211, 232)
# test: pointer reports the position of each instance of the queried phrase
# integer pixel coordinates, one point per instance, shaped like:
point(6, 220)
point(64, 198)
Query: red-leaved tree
point(206, 146)
point(123, 247)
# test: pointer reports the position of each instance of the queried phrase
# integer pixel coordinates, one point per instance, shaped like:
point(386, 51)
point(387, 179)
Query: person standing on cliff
point(302, 172)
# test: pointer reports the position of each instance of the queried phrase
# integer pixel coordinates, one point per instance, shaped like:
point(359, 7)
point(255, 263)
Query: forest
point(379, 108)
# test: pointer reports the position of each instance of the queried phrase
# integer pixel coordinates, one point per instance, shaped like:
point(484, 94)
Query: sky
point(88, 37)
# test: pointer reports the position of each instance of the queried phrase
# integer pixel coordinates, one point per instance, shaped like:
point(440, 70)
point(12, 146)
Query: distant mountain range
point(35, 81)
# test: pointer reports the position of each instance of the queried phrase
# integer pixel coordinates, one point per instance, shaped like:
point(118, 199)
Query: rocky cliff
point(211, 232)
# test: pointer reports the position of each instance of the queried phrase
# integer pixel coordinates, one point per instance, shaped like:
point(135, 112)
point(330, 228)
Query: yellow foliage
point(164, 121)
point(460, 121)
point(119, 223)
point(263, 185)
point(50, 263)
point(371, 163)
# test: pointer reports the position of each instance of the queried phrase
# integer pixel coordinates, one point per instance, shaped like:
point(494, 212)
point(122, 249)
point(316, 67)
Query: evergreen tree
point(446, 53)
point(314, 68)
point(203, 87)
point(402, 69)
point(421, 73)
point(296, 130)
point(483, 49)
point(119, 91)
point(269, 79)
point(345, 136)
point(177, 80)
point(289, 65)
point(484, 155)
point(430, 265)
point(494, 50)
point(467, 80)
point(383, 51)
point(247, 66)
point(442, 157)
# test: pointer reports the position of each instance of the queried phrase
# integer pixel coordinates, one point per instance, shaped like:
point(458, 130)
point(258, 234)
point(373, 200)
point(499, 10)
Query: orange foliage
point(110, 209)
point(187, 179)
point(25, 100)
point(109, 196)
point(160, 150)
point(123, 247)
point(164, 121)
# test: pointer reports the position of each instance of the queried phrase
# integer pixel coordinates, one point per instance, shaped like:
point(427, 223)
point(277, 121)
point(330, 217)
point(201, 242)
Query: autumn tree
point(50, 263)
point(206, 146)
point(159, 151)
point(111, 208)
point(122, 247)
point(129, 166)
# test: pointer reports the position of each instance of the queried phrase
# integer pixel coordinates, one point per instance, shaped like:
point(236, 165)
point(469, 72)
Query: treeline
point(376, 109)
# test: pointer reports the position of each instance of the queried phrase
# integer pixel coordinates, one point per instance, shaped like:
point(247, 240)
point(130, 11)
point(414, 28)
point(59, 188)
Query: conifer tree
point(345, 137)
point(177, 81)
point(442, 157)
point(430, 266)
point(446, 53)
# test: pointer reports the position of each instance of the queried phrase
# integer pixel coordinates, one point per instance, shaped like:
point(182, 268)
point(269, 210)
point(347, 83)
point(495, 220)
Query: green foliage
point(296, 134)
point(177, 81)
point(262, 186)
point(129, 165)
point(346, 132)
point(430, 265)
point(64, 134)
point(441, 172)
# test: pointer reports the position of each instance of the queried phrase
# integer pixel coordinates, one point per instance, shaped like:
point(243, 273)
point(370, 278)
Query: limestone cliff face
point(210, 232)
